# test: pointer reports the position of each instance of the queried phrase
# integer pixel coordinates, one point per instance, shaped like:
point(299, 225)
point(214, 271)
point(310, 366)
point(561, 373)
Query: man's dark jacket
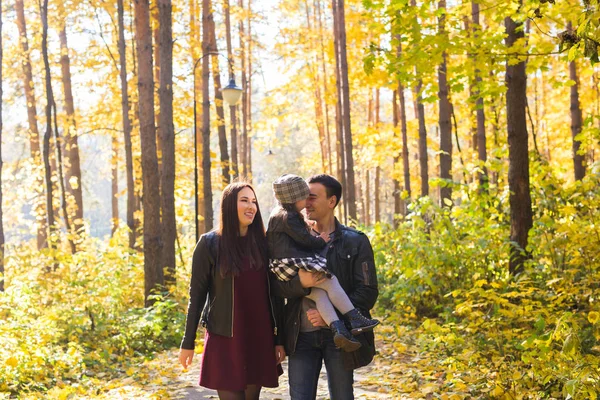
point(209, 290)
point(350, 259)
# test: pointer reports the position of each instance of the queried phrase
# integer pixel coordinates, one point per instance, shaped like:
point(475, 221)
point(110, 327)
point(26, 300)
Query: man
point(308, 341)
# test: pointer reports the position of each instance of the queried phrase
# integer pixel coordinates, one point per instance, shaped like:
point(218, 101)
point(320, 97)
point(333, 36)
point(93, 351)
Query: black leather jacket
point(288, 236)
point(350, 259)
point(209, 290)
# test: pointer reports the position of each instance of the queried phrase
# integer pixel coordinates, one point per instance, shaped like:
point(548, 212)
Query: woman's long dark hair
point(232, 246)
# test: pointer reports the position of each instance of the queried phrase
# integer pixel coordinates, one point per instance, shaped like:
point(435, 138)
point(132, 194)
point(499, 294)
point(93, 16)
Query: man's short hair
point(332, 186)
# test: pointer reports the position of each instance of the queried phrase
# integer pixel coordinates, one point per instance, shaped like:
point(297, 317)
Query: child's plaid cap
point(290, 188)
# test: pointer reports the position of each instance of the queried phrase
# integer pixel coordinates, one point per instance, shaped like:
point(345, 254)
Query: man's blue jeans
point(305, 365)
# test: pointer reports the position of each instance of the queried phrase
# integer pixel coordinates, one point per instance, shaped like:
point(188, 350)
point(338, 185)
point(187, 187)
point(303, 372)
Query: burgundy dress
point(247, 358)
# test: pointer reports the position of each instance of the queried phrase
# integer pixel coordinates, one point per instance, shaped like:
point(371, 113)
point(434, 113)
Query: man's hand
point(310, 279)
point(279, 354)
point(314, 316)
point(186, 357)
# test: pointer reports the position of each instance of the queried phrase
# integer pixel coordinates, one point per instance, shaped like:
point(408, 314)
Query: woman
point(242, 349)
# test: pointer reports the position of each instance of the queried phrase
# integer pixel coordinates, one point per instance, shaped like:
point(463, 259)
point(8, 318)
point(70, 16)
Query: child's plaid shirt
point(287, 268)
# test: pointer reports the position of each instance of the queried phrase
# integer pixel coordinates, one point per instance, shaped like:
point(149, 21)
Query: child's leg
point(336, 294)
point(324, 306)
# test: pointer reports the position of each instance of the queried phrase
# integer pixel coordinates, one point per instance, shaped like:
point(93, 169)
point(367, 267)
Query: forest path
point(163, 378)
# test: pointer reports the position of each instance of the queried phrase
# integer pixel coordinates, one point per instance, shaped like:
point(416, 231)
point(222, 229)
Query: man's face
point(318, 205)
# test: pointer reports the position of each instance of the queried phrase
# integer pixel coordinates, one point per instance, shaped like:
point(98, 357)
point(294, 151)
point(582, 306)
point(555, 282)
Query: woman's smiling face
point(246, 206)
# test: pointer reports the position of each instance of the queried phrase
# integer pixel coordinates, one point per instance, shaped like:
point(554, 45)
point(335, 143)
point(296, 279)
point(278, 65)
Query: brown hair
point(232, 247)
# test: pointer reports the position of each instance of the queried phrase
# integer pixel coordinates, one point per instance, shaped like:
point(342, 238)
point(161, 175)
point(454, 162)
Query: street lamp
point(231, 94)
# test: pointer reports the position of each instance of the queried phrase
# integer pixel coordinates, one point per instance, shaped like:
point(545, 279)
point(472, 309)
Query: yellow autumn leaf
point(498, 391)
point(593, 317)
point(12, 362)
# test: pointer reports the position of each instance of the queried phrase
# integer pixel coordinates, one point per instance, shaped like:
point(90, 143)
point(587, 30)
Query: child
point(291, 247)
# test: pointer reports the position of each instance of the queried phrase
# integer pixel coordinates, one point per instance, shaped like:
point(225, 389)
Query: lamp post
point(231, 94)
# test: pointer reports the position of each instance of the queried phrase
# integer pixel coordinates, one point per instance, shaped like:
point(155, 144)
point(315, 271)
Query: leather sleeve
point(364, 276)
point(295, 228)
point(287, 289)
point(200, 281)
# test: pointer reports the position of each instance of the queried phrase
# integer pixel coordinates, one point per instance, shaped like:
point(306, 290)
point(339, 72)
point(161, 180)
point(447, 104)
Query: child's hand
point(325, 237)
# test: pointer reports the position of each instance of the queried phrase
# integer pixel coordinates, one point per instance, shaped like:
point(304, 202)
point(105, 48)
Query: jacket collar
point(338, 229)
point(337, 233)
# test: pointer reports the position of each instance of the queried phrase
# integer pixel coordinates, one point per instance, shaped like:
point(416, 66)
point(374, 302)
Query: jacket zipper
point(271, 304)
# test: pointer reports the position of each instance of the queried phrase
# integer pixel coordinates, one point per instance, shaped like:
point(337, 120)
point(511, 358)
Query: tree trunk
point(244, 121)
point(153, 272)
point(114, 168)
point(34, 135)
point(351, 192)
point(126, 125)
point(48, 132)
point(378, 168)
point(361, 199)
point(341, 155)
point(324, 71)
point(167, 140)
point(479, 107)
point(249, 94)
point(518, 153)
point(420, 113)
point(198, 177)
point(368, 197)
point(404, 132)
point(397, 188)
point(444, 118)
point(232, 109)
point(405, 159)
point(208, 218)
point(2, 275)
point(576, 120)
point(222, 131)
point(71, 146)
point(155, 26)
point(495, 132)
point(318, 100)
